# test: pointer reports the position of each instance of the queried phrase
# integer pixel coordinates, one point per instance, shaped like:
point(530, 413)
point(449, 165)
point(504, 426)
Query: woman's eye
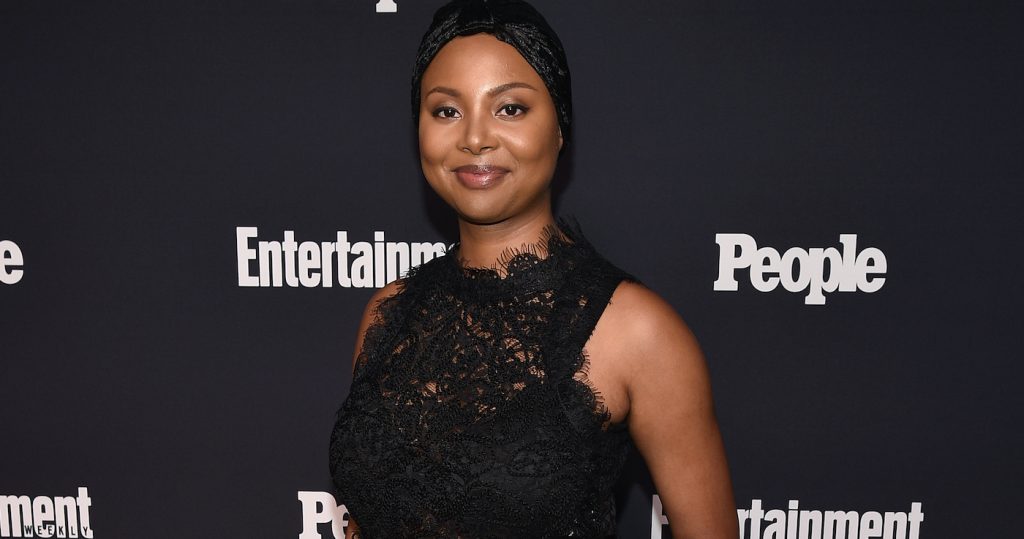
point(446, 112)
point(512, 110)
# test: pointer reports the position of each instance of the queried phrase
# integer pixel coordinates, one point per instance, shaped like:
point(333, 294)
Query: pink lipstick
point(479, 176)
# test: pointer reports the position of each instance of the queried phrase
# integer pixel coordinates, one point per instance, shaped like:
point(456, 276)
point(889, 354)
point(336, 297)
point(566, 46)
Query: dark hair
point(513, 21)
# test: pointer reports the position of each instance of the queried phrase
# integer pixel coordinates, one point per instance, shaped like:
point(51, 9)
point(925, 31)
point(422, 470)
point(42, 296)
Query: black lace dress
point(470, 414)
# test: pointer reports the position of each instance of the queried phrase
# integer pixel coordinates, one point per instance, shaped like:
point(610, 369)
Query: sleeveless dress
point(470, 414)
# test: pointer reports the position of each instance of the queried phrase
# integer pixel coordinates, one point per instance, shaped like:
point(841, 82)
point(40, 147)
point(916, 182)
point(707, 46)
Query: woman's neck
point(482, 246)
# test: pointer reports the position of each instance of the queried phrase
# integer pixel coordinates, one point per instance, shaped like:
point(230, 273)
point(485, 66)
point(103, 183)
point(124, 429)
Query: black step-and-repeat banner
point(197, 199)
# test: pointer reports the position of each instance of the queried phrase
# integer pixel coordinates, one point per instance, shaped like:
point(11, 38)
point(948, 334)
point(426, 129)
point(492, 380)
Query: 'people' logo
point(818, 270)
point(11, 262)
point(310, 264)
point(320, 508)
point(43, 516)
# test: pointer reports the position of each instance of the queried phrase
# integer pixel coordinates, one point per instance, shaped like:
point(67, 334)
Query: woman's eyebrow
point(508, 86)
point(443, 90)
point(490, 93)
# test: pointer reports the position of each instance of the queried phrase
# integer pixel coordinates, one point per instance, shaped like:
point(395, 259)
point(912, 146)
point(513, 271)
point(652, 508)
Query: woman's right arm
point(369, 317)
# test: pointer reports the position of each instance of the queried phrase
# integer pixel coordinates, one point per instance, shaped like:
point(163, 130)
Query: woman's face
point(488, 132)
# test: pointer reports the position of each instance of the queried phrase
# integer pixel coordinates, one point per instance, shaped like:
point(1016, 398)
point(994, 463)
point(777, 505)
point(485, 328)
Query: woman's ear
point(559, 139)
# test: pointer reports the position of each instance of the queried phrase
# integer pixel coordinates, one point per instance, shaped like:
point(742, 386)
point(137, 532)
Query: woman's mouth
point(479, 176)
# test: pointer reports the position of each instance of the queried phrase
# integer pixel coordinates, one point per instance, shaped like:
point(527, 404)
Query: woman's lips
point(479, 176)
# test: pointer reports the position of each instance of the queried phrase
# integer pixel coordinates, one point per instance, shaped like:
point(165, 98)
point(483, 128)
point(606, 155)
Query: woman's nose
point(477, 133)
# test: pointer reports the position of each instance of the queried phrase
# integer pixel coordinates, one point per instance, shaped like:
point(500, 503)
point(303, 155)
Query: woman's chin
point(491, 212)
point(481, 218)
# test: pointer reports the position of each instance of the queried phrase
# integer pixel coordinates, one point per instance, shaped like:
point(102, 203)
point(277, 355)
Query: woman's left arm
point(671, 416)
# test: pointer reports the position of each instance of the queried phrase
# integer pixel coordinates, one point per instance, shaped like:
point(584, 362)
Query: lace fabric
point(470, 413)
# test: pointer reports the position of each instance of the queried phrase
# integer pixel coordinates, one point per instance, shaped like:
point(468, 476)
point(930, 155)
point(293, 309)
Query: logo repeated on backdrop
point(758, 523)
point(387, 6)
point(796, 523)
point(847, 271)
point(11, 262)
point(45, 516)
point(321, 508)
point(313, 264)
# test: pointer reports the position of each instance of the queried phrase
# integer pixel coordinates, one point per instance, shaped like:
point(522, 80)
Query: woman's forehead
point(479, 58)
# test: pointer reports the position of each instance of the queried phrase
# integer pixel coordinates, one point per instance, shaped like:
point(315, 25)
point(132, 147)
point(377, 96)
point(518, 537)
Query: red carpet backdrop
point(198, 198)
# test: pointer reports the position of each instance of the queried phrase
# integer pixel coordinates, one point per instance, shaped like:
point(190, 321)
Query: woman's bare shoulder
point(383, 293)
point(371, 314)
point(644, 316)
point(650, 334)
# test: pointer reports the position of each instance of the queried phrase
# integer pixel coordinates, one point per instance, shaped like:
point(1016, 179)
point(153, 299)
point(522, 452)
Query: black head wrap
point(513, 21)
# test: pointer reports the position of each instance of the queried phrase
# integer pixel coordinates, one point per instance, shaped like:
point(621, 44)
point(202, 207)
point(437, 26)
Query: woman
point(496, 390)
